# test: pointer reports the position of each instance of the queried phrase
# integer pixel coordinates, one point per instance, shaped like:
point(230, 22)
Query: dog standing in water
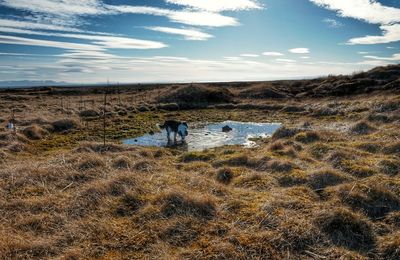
point(178, 128)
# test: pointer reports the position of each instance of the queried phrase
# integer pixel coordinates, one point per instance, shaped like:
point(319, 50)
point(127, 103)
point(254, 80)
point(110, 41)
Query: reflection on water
point(207, 136)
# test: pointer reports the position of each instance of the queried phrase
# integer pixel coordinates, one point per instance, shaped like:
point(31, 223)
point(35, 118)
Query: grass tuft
point(307, 137)
point(324, 178)
point(346, 229)
point(122, 163)
point(181, 204)
point(362, 128)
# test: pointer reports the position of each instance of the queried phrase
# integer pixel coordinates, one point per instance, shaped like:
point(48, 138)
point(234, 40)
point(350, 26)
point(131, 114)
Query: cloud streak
point(300, 50)
point(218, 6)
point(370, 11)
point(188, 34)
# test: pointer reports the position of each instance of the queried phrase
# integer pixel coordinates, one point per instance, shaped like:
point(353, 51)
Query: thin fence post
point(104, 119)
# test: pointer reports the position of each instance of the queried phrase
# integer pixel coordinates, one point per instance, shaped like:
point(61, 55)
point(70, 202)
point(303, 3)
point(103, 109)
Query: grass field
point(325, 186)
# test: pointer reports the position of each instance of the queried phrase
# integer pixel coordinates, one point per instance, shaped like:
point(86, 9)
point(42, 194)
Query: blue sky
point(194, 40)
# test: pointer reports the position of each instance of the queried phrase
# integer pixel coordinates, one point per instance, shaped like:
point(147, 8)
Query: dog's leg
point(168, 134)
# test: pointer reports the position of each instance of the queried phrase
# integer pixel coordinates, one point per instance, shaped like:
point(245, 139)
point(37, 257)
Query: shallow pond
point(205, 136)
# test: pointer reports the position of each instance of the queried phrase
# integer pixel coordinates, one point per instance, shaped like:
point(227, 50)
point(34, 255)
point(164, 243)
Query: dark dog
point(176, 127)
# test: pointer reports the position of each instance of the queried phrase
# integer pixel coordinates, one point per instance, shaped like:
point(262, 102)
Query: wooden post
point(13, 121)
point(104, 119)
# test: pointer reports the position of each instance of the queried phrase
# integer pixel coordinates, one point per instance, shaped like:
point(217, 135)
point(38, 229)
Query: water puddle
point(205, 136)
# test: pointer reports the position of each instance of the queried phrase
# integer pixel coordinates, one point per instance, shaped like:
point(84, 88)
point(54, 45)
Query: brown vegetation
point(322, 187)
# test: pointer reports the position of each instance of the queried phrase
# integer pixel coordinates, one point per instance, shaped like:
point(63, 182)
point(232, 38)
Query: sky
point(137, 41)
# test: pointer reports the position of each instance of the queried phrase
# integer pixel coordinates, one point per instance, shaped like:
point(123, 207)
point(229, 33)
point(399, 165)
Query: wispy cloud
point(249, 55)
point(370, 11)
point(46, 43)
point(285, 60)
point(272, 53)
point(218, 6)
point(390, 33)
point(188, 34)
point(332, 23)
point(97, 42)
point(61, 11)
point(394, 57)
point(300, 50)
point(189, 17)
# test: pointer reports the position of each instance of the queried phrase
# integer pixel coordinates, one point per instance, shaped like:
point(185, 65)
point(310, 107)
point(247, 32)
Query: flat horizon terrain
point(325, 185)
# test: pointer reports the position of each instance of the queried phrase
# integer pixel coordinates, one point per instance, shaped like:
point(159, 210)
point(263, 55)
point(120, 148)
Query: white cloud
point(390, 33)
point(68, 11)
point(97, 42)
point(363, 52)
point(332, 23)
point(370, 11)
point(65, 12)
point(249, 55)
point(61, 7)
point(305, 57)
point(203, 19)
point(188, 34)
point(286, 60)
point(394, 57)
point(232, 58)
point(219, 5)
point(174, 69)
point(300, 50)
point(45, 43)
point(35, 25)
point(272, 53)
point(197, 18)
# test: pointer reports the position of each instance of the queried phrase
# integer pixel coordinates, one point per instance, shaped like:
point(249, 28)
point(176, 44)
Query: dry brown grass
point(315, 192)
point(34, 132)
point(347, 229)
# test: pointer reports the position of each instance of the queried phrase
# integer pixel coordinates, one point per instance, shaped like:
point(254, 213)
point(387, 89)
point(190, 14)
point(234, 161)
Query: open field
point(325, 186)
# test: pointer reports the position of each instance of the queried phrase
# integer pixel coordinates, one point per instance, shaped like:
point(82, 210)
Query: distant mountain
point(31, 83)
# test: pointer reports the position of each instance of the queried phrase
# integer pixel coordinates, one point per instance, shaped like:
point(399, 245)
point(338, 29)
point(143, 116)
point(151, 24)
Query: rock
point(226, 129)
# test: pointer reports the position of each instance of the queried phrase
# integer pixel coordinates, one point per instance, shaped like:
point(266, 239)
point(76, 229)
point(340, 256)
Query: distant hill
point(378, 79)
point(31, 83)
